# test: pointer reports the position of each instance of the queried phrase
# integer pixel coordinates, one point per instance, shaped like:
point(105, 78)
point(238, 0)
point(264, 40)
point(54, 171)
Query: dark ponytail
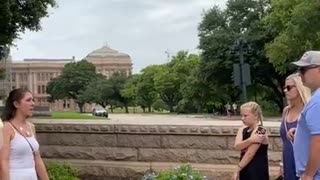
point(9, 110)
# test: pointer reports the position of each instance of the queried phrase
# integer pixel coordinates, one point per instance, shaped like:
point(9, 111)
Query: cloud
point(143, 29)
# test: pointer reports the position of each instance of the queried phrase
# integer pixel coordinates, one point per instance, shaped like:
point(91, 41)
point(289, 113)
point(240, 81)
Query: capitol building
point(34, 74)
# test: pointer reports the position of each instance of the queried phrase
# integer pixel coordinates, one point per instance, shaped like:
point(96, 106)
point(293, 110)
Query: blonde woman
point(297, 96)
point(252, 141)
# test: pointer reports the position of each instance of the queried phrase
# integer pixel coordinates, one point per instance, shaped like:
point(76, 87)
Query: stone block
point(193, 142)
point(188, 155)
point(73, 139)
point(231, 141)
point(89, 153)
point(131, 140)
point(277, 144)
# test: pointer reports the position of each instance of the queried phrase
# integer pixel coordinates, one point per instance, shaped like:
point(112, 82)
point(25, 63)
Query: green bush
point(184, 172)
point(62, 171)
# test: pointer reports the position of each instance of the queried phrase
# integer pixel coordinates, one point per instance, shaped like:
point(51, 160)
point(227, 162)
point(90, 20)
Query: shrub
point(62, 171)
point(184, 172)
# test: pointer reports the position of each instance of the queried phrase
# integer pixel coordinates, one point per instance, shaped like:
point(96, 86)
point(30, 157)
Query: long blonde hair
point(304, 92)
point(255, 109)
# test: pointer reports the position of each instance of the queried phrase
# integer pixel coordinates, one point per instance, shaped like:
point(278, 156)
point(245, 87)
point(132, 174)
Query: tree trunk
point(144, 109)
point(80, 105)
point(171, 108)
point(111, 108)
point(149, 109)
point(126, 107)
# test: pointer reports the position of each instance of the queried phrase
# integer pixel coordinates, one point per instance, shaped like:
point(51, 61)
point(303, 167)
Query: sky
point(144, 29)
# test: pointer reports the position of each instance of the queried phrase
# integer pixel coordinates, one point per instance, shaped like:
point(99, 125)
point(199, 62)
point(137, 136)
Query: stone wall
point(95, 147)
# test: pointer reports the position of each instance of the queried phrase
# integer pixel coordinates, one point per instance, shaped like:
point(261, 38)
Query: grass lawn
point(70, 115)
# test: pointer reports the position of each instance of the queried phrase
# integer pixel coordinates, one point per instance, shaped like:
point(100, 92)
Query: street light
point(241, 70)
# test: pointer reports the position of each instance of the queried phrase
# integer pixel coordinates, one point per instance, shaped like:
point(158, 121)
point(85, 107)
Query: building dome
point(106, 53)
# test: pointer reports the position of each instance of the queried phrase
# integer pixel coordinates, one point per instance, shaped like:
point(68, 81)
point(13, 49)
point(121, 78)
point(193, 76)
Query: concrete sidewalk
point(154, 119)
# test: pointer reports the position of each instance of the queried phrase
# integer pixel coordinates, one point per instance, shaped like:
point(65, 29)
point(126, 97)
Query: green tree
point(146, 91)
point(297, 27)
point(117, 81)
point(17, 16)
point(99, 91)
point(72, 82)
point(167, 85)
point(172, 76)
point(219, 30)
point(129, 90)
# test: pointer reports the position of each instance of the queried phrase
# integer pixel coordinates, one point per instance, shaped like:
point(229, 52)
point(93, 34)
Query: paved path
point(154, 119)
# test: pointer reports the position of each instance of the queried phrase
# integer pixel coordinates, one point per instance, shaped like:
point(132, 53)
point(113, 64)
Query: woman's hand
point(290, 134)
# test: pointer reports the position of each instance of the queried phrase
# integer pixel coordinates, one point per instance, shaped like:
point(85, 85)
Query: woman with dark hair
point(20, 157)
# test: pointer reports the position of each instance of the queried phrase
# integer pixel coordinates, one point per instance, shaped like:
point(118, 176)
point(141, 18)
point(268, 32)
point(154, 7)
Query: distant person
point(228, 109)
point(252, 141)
point(20, 157)
point(235, 108)
point(297, 96)
point(306, 146)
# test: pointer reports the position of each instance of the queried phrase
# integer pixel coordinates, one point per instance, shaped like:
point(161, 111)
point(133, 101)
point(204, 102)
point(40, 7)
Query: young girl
point(252, 141)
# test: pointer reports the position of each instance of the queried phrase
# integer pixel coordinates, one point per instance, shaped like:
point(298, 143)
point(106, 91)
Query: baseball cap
point(309, 58)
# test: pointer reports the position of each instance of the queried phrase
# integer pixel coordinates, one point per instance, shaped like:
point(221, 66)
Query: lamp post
point(241, 71)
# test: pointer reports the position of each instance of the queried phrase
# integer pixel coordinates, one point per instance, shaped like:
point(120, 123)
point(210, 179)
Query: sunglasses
point(303, 70)
point(288, 87)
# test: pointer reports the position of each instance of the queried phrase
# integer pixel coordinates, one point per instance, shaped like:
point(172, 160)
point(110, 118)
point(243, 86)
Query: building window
point(25, 77)
point(43, 89)
point(13, 77)
point(21, 77)
point(39, 89)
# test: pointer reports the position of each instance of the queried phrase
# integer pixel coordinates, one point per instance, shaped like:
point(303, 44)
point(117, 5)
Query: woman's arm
point(40, 167)
point(7, 135)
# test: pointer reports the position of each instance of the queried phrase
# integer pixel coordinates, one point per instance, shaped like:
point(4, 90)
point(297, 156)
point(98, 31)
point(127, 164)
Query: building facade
point(35, 74)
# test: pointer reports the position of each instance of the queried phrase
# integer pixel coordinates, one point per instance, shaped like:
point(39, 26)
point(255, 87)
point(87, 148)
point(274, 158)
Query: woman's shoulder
point(7, 128)
point(285, 110)
point(30, 124)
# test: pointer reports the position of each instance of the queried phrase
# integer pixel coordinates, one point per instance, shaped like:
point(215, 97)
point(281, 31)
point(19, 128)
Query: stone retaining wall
point(145, 143)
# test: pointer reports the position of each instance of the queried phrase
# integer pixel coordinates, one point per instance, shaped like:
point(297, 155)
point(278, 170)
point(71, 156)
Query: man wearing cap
point(306, 145)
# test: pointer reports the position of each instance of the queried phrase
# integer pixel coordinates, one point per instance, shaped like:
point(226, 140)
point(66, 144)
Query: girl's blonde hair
point(304, 92)
point(254, 108)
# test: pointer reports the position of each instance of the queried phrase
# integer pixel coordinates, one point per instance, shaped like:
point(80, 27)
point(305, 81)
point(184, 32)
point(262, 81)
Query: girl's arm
point(240, 144)
point(249, 154)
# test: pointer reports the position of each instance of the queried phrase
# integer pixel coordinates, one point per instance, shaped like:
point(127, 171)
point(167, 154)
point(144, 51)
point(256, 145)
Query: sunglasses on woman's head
point(289, 87)
point(304, 69)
